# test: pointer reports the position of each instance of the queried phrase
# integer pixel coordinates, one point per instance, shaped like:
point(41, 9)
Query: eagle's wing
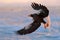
point(35, 6)
point(32, 27)
point(36, 23)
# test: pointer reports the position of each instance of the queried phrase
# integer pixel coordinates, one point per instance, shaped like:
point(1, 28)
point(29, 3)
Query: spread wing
point(35, 6)
point(33, 26)
point(37, 20)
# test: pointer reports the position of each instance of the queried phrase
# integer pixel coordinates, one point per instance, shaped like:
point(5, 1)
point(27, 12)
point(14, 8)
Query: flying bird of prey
point(38, 18)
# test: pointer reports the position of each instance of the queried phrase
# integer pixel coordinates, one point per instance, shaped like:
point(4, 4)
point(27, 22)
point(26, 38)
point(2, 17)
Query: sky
point(45, 2)
point(9, 14)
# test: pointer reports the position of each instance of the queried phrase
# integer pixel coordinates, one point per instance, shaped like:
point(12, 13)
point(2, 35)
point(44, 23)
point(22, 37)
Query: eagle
point(38, 18)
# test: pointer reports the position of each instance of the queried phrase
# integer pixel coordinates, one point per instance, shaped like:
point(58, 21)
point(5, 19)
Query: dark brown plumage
point(37, 19)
